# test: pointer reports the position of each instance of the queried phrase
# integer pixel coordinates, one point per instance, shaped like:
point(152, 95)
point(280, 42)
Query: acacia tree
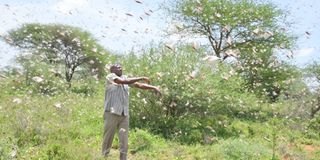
point(245, 29)
point(60, 44)
point(231, 24)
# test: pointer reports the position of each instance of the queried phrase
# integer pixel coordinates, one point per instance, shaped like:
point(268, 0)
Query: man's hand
point(157, 91)
point(146, 80)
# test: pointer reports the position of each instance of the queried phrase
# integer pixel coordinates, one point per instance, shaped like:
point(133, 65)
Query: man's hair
point(115, 65)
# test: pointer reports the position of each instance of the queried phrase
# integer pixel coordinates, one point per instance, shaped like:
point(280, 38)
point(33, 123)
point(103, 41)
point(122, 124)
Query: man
point(116, 108)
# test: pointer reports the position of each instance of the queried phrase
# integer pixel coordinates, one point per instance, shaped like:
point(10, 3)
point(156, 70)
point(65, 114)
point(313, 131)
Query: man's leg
point(110, 126)
point(123, 137)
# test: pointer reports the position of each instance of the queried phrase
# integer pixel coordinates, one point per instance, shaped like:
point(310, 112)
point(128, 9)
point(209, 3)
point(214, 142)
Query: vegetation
point(201, 116)
point(60, 45)
point(313, 72)
point(246, 30)
point(254, 107)
point(219, 21)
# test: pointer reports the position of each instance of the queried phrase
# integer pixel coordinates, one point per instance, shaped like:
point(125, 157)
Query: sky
point(124, 25)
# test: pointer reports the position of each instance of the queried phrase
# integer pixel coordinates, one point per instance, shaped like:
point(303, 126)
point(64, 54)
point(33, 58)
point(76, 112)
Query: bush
point(141, 140)
point(314, 123)
point(84, 89)
point(41, 77)
point(196, 94)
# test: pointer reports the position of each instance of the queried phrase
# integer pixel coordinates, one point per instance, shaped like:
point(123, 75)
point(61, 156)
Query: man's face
point(117, 69)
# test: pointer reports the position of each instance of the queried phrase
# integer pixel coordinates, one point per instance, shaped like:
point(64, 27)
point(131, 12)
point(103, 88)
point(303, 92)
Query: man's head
point(116, 69)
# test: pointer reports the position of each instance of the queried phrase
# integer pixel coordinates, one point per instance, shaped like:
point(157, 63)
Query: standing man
point(116, 108)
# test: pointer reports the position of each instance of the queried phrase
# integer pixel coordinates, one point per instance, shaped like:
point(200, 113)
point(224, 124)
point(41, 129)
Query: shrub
point(84, 89)
point(141, 140)
point(195, 94)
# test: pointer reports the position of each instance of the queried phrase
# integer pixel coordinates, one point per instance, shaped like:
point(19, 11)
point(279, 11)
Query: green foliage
point(61, 44)
point(232, 24)
point(247, 30)
point(238, 149)
point(313, 73)
point(315, 123)
point(6, 148)
point(205, 112)
point(267, 78)
point(194, 108)
point(41, 78)
point(313, 70)
point(86, 89)
point(36, 128)
point(45, 79)
point(57, 151)
point(141, 140)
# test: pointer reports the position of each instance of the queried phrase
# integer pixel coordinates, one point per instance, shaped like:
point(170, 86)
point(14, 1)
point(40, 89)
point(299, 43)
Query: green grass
point(38, 128)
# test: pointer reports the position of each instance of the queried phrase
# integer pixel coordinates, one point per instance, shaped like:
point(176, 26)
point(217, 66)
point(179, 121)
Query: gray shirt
point(116, 99)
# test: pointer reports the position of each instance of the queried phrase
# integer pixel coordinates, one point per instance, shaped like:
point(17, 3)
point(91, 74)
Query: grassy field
point(69, 126)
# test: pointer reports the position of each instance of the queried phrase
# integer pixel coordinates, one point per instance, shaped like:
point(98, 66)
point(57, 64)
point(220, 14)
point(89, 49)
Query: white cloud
point(304, 52)
point(66, 6)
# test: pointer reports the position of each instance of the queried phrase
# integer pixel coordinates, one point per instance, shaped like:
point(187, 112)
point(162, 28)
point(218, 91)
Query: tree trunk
point(69, 75)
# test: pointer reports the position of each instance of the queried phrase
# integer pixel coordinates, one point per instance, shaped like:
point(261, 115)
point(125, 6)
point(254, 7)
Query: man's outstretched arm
point(147, 87)
point(131, 80)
